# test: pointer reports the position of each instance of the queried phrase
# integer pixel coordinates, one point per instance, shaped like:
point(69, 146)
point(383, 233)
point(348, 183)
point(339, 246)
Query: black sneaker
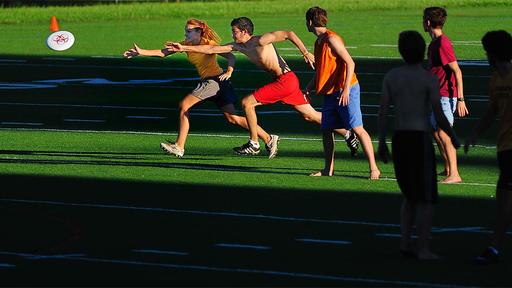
point(247, 149)
point(490, 255)
point(352, 142)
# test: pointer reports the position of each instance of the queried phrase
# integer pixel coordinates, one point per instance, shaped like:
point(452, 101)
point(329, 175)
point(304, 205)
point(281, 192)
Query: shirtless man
point(285, 87)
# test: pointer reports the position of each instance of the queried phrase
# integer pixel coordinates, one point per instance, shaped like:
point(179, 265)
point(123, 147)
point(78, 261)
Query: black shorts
point(505, 164)
point(415, 165)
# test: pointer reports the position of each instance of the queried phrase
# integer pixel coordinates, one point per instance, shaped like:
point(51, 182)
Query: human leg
point(271, 141)
point(406, 222)
point(328, 143)
point(442, 152)
point(503, 216)
point(446, 149)
point(183, 118)
point(178, 148)
point(451, 158)
point(424, 213)
point(231, 116)
point(252, 147)
point(366, 142)
point(311, 115)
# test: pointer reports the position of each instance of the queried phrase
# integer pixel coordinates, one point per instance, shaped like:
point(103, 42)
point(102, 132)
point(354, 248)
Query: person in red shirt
point(443, 64)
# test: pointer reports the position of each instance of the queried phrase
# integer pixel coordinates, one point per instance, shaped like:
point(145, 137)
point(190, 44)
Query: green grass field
point(89, 199)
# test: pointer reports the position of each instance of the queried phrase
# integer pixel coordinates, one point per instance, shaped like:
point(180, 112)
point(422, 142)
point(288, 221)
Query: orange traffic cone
point(54, 26)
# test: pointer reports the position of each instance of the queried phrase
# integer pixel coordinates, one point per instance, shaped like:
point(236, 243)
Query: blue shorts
point(448, 105)
point(336, 116)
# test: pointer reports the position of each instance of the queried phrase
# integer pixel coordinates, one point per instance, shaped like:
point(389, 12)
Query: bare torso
point(265, 57)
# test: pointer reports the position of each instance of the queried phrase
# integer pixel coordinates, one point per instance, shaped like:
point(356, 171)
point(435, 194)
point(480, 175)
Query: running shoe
point(172, 148)
point(352, 142)
point(271, 146)
point(247, 149)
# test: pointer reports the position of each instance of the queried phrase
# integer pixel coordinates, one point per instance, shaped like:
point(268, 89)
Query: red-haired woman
point(214, 85)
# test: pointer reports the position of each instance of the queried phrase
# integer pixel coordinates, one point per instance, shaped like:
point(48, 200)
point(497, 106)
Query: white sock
point(347, 134)
point(255, 143)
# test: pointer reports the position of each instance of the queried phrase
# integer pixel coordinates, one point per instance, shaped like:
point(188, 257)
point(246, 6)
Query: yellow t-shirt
point(500, 97)
point(206, 64)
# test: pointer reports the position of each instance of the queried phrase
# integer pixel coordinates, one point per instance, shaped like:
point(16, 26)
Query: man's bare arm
point(205, 49)
point(279, 36)
point(462, 110)
point(231, 65)
point(339, 48)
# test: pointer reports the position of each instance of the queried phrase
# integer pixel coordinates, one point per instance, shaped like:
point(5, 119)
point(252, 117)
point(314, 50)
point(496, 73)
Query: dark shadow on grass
point(94, 226)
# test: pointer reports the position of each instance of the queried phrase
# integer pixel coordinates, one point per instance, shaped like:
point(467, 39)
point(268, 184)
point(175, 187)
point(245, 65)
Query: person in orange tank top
point(336, 81)
point(214, 85)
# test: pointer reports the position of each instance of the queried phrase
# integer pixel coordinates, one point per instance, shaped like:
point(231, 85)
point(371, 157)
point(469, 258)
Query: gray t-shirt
point(413, 90)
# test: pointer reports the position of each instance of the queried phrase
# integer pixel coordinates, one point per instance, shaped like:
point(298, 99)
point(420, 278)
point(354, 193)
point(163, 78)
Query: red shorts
point(285, 89)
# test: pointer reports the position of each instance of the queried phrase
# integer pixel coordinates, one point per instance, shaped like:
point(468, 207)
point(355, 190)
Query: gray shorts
point(221, 92)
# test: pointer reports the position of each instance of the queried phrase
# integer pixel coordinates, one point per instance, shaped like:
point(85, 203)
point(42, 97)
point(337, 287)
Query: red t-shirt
point(440, 53)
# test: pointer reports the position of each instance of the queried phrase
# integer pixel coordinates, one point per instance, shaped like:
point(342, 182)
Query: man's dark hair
point(244, 24)
point(411, 46)
point(318, 16)
point(499, 44)
point(436, 16)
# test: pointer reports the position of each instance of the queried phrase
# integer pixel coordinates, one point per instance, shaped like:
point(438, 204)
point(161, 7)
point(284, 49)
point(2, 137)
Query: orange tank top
point(330, 68)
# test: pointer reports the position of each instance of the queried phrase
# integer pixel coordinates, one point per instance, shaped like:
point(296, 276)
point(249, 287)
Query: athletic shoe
point(172, 148)
point(490, 255)
point(271, 146)
point(352, 142)
point(247, 149)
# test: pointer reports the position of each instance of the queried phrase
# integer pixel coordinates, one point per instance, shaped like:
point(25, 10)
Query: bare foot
point(451, 180)
point(374, 174)
point(320, 173)
point(427, 255)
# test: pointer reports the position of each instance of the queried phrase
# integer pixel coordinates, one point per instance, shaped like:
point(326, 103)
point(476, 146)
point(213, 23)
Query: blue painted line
point(5, 265)
point(339, 278)
point(393, 235)
point(66, 256)
point(243, 246)
point(337, 242)
point(160, 252)
point(198, 212)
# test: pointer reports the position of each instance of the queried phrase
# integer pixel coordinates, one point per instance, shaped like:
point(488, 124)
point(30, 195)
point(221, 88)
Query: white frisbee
point(60, 40)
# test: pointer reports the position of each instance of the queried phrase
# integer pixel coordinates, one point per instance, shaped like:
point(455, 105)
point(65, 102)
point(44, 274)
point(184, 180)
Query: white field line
point(85, 120)
point(322, 241)
point(242, 246)
point(462, 63)
point(161, 252)
point(273, 273)
point(147, 117)
point(228, 214)
point(13, 60)
point(58, 59)
point(21, 123)
point(192, 134)
point(385, 45)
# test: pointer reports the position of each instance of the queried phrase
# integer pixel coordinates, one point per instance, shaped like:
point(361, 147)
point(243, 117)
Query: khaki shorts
point(221, 92)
